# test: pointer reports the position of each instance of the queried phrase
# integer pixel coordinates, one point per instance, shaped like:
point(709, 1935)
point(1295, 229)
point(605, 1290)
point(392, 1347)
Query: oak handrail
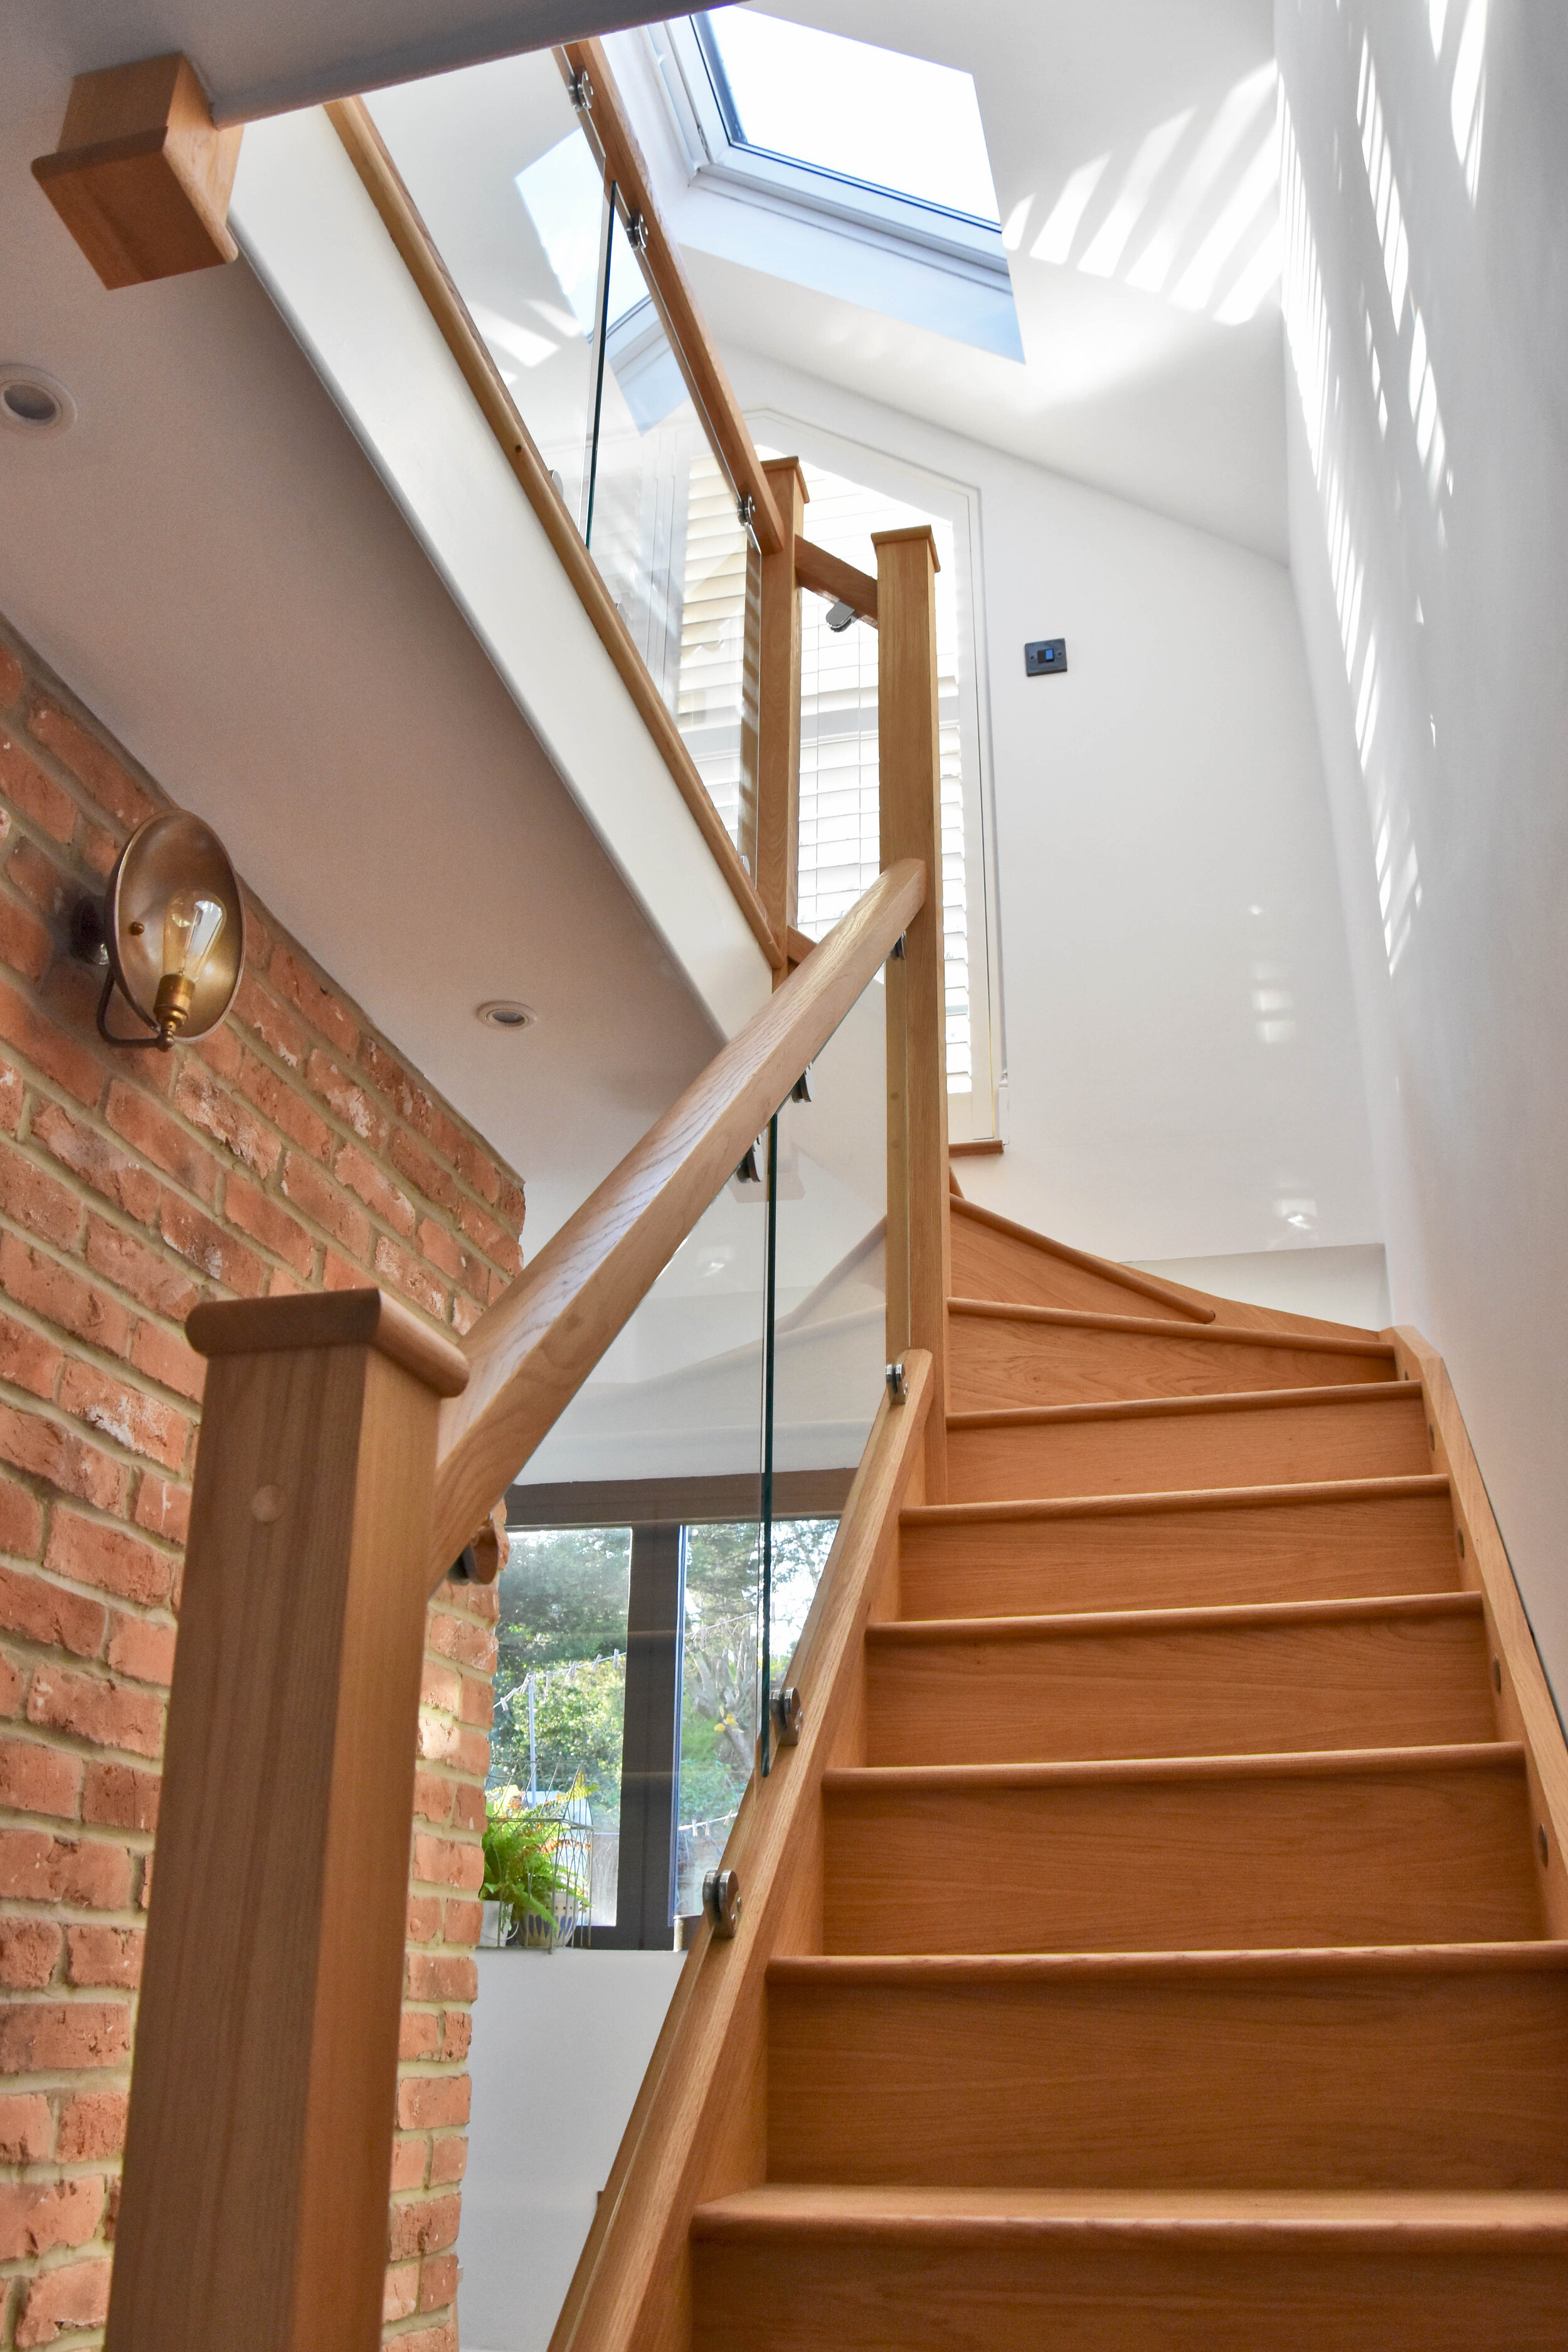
point(367, 151)
point(609, 130)
point(829, 575)
point(530, 1353)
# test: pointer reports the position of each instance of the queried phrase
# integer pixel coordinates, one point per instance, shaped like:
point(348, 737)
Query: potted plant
point(523, 1872)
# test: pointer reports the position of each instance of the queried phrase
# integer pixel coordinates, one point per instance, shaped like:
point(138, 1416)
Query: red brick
point(45, 1450)
point(512, 1206)
point(441, 1249)
point(477, 1170)
point(98, 1162)
point(479, 1702)
point(461, 1639)
point(142, 1648)
point(471, 1754)
point(109, 1558)
point(36, 2216)
point(34, 793)
point(104, 1956)
point(440, 1976)
point(150, 1132)
point(143, 1424)
point(337, 1274)
point(424, 1919)
point(424, 2339)
point(426, 2227)
point(344, 1096)
point(457, 2032)
point(420, 2036)
point(92, 763)
point(319, 1199)
point(38, 1779)
point(493, 1239)
point(468, 1808)
point(29, 1954)
point(161, 1507)
point(92, 2125)
point(440, 1685)
point(10, 679)
point(49, 1048)
point(39, 879)
point(207, 1105)
point(261, 1217)
point(400, 2295)
point(24, 944)
point(97, 850)
point(380, 1195)
point(392, 1262)
point(48, 1288)
point(322, 1008)
point(165, 1356)
point(37, 1868)
point(34, 1199)
point(465, 1315)
point(281, 1283)
point(26, 2127)
point(438, 2283)
point(278, 1099)
point(431, 1799)
point(27, 1360)
point(448, 2163)
point(43, 1613)
point(217, 1253)
point(21, 1522)
point(440, 1862)
point(75, 2295)
point(13, 1098)
point(90, 1708)
point(273, 1022)
point(460, 1928)
point(429, 2102)
point(426, 1175)
point(133, 1265)
point(119, 1797)
point(13, 1686)
point(39, 2037)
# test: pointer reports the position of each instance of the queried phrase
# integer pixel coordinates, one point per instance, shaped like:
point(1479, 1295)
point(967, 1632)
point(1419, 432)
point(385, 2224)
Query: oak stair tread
point(1290, 1497)
point(1079, 1625)
point(1033, 1416)
point(1391, 2216)
point(857, 1971)
point(1467, 1755)
point(1245, 1335)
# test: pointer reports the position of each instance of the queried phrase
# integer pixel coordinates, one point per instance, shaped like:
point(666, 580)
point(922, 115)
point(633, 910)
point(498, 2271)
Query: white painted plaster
point(562, 2041)
point(1454, 594)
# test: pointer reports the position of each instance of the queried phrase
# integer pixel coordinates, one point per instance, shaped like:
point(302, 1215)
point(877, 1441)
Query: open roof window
point(872, 119)
point(867, 143)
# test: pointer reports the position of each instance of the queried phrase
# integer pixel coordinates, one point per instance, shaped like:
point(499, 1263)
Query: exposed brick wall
point(292, 1149)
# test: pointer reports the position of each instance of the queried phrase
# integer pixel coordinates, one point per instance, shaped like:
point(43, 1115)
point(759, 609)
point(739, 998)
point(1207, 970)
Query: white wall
point(562, 2041)
point(1181, 1034)
point(1450, 572)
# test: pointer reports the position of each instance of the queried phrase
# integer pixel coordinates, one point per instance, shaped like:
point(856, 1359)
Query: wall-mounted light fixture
point(171, 930)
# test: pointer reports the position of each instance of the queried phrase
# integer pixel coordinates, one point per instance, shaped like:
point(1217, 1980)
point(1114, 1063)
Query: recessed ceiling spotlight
point(31, 401)
point(505, 1013)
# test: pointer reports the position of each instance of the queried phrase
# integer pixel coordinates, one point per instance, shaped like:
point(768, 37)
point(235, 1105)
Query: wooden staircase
point(1183, 1964)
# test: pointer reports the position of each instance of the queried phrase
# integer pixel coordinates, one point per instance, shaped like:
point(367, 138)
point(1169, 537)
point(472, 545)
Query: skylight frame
point(690, 72)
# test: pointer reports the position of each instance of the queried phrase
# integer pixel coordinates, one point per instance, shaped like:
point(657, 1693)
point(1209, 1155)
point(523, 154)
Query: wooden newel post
point(778, 711)
point(258, 2151)
point(911, 797)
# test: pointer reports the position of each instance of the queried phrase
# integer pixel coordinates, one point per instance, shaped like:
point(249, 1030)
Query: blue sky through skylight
point(862, 113)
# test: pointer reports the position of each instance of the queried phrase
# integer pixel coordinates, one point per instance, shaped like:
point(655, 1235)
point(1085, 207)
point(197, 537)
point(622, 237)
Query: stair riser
point(1168, 1454)
point(1379, 2079)
point(996, 1362)
point(1358, 1683)
point(990, 1264)
point(1167, 1559)
point(1206, 1864)
point(820, 2294)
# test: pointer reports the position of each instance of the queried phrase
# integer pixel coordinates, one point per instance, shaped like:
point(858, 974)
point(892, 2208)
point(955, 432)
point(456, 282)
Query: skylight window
point(873, 117)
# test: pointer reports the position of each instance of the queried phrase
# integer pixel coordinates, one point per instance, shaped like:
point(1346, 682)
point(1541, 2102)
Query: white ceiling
point(209, 559)
point(1160, 112)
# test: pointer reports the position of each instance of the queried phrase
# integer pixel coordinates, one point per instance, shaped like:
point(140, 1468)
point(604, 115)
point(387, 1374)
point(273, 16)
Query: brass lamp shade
point(169, 854)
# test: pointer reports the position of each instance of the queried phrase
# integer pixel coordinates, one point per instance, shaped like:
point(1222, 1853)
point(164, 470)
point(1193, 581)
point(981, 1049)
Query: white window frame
point(944, 240)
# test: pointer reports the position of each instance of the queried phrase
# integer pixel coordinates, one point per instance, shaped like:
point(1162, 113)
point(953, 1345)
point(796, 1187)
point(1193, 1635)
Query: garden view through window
point(560, 1693)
